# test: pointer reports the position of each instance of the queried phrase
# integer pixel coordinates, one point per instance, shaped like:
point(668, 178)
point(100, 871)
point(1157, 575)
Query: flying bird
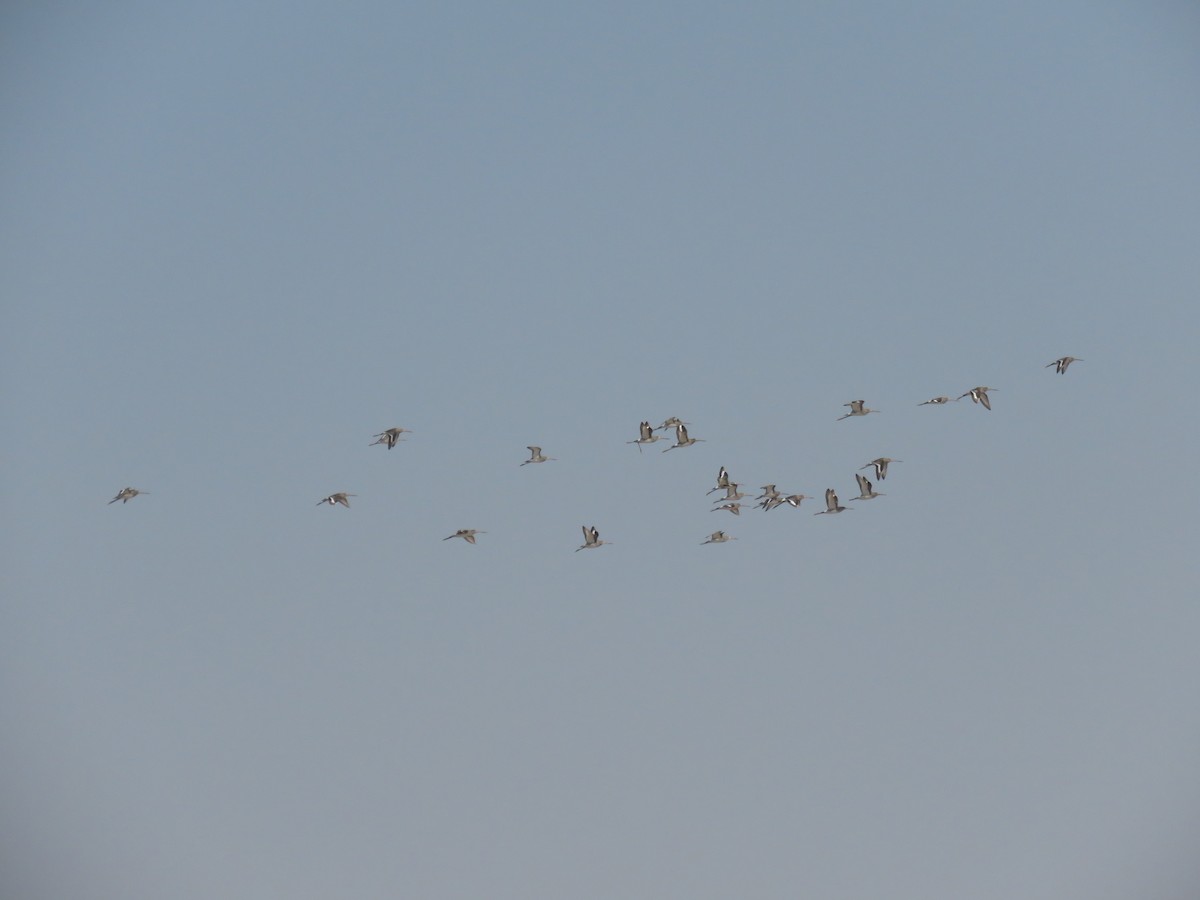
point(390, 437)
point(646, 435)
point(831, 504)
point(792, 500)
point(682, 439)
point(467, 534)
point(880, 465)
point(857, 409)
point(535, 456)
point(938, 401)
point(1060, 364)
point(769, 498)
point(340, 497)
point(591, 539)
point(125, 495)
point(978, 395)
point(673, 422)
point(722, 480)
point(865, 489)
point(731, 493)
point(717, 537)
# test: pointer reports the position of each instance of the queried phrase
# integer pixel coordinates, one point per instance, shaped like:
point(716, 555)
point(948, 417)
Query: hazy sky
point(239, 239)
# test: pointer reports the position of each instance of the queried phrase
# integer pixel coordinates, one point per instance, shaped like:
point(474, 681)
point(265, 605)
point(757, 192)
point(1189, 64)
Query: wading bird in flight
point(391, 437)
point(646, 435)
point(673, 422)
point(682, 439)
point(978, 395)
point(722, 480)
point(591, 539)
point(831, 504)
point(535, 456)
point(880, 465)
point(735, 508)
point(857, 409)
point(126, 494)
point(1060, 364)
point(467, 534)
point(792, 500)
point(865, 490)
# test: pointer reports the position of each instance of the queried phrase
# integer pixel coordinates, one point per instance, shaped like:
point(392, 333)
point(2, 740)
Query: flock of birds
point(770, 498)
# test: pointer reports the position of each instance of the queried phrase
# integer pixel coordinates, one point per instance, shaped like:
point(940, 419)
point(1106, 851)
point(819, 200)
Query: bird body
point(467, 534)
point(682, 439)
point(731, 493)
point(334, 499)
point(717, 537)
point(880, 465)
point(769, 498)
point(125, 495)
point(831, 503)
point(646, 435)
point(535, 456)
point(979, 395)
point(673, 422)
point(591, 539)
point(866, 490)
point(857, 409)
point(390, 437)
point(1060, 364)
point(722, 480)
point(938, 401)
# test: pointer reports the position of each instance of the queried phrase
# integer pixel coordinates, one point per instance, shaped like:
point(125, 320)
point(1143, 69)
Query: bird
point(340, 497)
point(735, 508)
point(880, 465)
point(591, 539)
point(1060, 364)
point(831, 504)
point(938, 401)
point(717, 537)
point(673, 422)
point(390, 437)
point(722, 480)
point(865, 489)
point(682, 439)
point(467, 534)
point(857, 409)
point(769, 498)
point(646, 435)
point(731, 493)
point(978, 395)
point(535, 456)
point(792, 500)
point(125, 495)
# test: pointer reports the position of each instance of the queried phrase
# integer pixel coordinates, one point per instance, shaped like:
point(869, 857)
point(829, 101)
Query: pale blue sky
point(237, 240)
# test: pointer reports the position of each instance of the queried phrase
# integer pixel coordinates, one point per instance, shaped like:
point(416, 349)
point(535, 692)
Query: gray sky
point(237, 240)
